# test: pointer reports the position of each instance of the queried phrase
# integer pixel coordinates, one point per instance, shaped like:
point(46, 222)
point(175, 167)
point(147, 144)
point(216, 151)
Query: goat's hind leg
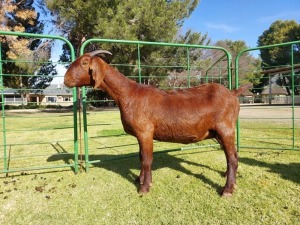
point(227, 142)
point(222, 147)
point(232, 166)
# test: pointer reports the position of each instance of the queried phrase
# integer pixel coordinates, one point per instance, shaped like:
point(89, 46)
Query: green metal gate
point(35, 138)
point(276, 116)
point(97, 131)
point(45, 140)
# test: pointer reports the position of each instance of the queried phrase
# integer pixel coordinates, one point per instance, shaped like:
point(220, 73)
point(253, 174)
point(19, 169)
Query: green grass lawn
point(186, 183)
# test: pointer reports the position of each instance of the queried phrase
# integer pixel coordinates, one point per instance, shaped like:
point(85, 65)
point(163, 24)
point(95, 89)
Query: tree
point(179, 74)
point(23, 55)
point(249, 66)
point(280, 32)
point(144, 20)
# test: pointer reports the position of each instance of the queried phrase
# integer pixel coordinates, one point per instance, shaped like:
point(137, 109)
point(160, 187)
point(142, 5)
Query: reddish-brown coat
point(183, 116)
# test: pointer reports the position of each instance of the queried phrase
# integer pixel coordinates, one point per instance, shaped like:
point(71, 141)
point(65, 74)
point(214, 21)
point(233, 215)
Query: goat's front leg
point(146, 158)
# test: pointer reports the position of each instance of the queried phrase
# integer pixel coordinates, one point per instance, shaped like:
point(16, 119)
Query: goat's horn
point(96, 52)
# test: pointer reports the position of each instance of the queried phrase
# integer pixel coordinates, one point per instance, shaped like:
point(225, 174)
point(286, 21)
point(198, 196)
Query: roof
point(57, 89)
point(10, 92)
point(53, 89)
point(247, 93)
point(275, 90)
point(285, 69)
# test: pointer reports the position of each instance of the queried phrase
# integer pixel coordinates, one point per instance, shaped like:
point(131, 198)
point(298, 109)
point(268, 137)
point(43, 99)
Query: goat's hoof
point(144, 189)
point(226, 195)
point(227, 192)
point(141, 194)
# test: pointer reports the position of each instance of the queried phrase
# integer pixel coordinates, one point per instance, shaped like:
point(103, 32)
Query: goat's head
point(87, 70)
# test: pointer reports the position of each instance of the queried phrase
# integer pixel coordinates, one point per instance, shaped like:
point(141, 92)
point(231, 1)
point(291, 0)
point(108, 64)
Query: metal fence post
point(293, 94)
point(139, 64)
point(188, 67)
point(3, 114)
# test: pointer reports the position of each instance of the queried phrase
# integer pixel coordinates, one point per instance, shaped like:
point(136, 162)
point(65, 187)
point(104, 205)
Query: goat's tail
point(242, 89)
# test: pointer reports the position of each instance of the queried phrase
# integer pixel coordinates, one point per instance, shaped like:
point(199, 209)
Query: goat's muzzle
point(69, 81)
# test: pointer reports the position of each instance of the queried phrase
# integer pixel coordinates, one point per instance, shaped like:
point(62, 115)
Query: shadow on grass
point(287, 171)
point(124, 164)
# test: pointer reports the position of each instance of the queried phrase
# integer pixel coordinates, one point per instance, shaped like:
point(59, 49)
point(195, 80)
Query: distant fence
point(282, 100)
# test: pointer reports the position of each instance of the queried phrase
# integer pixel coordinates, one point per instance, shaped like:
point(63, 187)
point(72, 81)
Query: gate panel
point(39, 125)
point(104, 138)
point(273, 111)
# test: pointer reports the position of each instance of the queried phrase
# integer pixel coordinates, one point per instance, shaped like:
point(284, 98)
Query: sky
point(235, 20)
point(240, 19)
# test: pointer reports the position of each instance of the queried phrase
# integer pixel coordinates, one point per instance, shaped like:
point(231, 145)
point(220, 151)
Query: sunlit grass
point(186, 183)
point(32, 138)
point(185, 191)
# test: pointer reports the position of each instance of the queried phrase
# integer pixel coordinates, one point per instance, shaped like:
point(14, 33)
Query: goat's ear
point(98, 71)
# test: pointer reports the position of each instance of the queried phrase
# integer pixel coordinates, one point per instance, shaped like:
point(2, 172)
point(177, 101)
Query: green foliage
point(172, 62)
point(280, 32)
point(24, 56)
point(144, 20)
point(98, 98)
point(249, 66)
point(156, 20)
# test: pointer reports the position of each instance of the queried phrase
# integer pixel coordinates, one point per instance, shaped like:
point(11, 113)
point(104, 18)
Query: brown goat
point(182, 116)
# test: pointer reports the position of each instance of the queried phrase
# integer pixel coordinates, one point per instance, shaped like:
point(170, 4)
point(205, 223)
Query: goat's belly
point(184, 137)
point(183, 140)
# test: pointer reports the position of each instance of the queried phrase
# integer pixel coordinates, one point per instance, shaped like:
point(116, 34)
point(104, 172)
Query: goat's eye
point(85, 63)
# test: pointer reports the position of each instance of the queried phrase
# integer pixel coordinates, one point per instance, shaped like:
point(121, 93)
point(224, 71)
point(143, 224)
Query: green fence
point(275, 109)
point(36, 127)
point(215, 67)
point(47, 134)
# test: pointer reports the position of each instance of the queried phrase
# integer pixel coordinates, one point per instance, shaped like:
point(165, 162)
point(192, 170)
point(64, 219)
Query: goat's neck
point(117, 85)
